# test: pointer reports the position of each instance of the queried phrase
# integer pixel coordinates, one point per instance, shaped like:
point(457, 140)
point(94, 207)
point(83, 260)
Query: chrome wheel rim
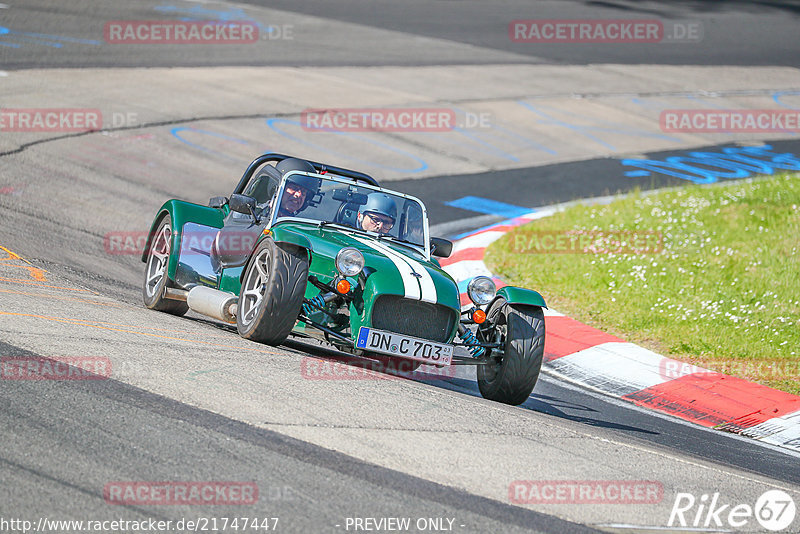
point(254, 289)
point(158, 260)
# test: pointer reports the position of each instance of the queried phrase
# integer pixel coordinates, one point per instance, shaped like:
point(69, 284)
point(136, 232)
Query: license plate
point(402, 346)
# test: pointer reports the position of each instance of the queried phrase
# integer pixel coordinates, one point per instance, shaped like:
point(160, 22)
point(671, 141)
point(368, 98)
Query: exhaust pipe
point(175, 294)
point(213, 303)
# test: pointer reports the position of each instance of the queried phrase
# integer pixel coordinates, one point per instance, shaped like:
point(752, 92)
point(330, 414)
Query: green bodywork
point(381, 275)
point(519, 295)
point(182, 212)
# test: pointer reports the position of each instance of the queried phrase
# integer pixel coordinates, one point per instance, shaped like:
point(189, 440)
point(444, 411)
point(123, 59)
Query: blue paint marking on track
point(476, 139)
point(488, 206)
point(198, 13)
point(423, 165)
point(778, 96)
point(500, 133)
point(599, 126)
point(272, 122)
point(44, 39)
point(635, 174)
point(38, 41)
point(647, 103)
point(708, 167)
point(487, 227)
point(59, 38)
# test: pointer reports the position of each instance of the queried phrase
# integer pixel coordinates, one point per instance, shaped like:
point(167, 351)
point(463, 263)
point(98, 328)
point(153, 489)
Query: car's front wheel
point(272, 292)
point(520, 329)
point(156, 278)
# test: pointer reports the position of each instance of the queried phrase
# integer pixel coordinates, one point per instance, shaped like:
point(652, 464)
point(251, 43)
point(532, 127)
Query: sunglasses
point(385, 223)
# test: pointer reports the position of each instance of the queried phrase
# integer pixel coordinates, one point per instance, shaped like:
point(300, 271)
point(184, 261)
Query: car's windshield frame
point(424, 248)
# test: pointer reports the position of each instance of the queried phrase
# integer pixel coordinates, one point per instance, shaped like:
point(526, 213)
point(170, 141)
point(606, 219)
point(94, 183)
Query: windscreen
point(360, 207)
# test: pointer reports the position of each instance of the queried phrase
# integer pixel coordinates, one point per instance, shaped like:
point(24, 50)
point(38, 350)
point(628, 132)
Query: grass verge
point(706, 275)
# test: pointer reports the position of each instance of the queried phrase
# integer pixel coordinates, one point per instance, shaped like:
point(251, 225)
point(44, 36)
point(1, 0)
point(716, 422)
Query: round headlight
point(349, 261)
point(481, 290)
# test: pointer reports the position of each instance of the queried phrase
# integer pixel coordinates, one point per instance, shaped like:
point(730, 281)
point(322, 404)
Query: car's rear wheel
point(512, 376)
point(156, 278)
point(272, 292)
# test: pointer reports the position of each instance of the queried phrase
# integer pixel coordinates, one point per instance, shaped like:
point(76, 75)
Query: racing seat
point(265, 185)
point(263, 189)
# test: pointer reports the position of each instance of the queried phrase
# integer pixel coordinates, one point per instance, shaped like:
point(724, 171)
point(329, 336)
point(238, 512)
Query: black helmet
point(294, 164)
point(309, 183)
point(306, 182)
point(380, 203)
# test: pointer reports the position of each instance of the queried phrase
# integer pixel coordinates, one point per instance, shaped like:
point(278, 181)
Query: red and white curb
point(584, 355)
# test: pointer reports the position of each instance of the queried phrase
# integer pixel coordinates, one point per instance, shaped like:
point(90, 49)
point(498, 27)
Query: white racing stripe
point(428, 287)
point(410, 284)
point(425, 280)
point(410, 266)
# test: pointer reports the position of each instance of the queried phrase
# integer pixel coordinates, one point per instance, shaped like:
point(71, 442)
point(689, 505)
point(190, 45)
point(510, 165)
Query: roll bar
point(320, 168)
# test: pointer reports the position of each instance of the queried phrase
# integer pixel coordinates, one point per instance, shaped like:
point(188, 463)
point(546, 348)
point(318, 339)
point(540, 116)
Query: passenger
point(378, 214)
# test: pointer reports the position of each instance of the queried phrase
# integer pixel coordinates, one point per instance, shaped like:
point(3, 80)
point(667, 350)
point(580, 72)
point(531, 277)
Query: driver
point(378, 214)
point(299, 189)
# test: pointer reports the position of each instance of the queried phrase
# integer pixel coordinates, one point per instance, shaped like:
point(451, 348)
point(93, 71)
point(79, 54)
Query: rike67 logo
point(774, 511)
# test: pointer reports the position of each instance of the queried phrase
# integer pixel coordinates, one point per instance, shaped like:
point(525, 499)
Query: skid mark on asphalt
point(80, 322)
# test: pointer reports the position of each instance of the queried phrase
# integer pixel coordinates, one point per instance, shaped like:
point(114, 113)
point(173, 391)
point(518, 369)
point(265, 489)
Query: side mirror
point(217, 202)
point(441, 247)
point(243, 204)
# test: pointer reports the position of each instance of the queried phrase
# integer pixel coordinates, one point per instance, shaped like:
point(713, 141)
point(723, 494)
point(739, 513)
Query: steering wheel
point(347, 214)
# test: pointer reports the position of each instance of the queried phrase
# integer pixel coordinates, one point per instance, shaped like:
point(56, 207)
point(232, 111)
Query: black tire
point(272, 292)
point(512, 378)
point(155, 271)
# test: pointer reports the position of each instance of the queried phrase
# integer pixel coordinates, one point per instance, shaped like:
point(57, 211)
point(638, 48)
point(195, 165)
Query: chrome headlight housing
point(349, 261)
point(481, 290)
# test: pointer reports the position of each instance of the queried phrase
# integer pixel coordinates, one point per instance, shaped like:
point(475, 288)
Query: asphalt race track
point(188, 400)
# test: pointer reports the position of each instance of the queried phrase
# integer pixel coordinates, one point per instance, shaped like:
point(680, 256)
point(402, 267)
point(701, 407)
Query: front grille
point(413, 318)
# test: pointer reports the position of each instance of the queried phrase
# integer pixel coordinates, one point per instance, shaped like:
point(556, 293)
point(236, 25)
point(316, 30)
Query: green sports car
point(313, 250)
